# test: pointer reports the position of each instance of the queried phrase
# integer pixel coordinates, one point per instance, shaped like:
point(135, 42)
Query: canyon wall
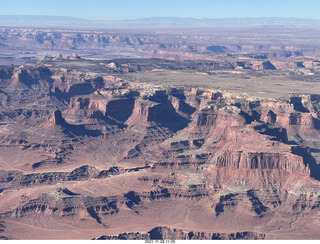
point(134, 161)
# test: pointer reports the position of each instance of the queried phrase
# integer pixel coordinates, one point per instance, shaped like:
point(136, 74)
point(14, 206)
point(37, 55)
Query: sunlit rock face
point(114, 158)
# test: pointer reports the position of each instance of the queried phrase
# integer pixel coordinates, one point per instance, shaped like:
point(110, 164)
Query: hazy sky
point(130, 9)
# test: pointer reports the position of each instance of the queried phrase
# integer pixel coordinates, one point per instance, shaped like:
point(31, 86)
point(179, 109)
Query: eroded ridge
point(114, 158)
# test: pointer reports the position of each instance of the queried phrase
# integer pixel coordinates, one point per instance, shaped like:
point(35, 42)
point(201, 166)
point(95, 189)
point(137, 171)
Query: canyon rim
point(160, 133)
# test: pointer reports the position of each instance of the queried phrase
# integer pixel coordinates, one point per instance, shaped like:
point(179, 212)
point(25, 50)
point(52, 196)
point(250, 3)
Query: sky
point(133, 9)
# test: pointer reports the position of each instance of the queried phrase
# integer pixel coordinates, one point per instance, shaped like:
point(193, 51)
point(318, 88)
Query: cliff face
point(165, 233)
point(95, 151)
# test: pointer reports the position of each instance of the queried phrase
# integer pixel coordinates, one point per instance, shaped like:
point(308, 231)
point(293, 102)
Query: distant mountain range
point(155, 22)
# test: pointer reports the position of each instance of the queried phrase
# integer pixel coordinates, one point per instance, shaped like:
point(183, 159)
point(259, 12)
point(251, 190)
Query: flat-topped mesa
point(111, 109)
point(284, 161)
point(299, 115)
point(159, 108)
point(213, 121)
point(214, 118)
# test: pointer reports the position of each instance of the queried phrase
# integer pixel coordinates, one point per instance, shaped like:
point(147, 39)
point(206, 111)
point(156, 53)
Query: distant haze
point(135, 9)
point(39, 21)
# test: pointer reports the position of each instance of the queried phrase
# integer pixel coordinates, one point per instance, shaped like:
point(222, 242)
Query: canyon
point(134, 137)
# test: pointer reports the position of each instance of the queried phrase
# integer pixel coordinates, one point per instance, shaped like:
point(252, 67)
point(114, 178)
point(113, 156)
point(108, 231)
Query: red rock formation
point(262, 160)
point(114, 156)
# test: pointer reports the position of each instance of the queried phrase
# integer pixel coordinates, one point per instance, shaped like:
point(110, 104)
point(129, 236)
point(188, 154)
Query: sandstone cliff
point(123, 158)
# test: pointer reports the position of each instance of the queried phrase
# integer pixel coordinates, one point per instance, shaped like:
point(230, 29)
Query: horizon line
point(159, 17)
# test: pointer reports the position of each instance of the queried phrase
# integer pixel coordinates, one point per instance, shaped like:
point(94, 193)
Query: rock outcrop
point(125, 159)
point(165, 233)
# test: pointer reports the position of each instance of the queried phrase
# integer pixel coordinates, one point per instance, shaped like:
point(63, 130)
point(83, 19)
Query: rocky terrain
point(246, 47)
point(222, 147)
